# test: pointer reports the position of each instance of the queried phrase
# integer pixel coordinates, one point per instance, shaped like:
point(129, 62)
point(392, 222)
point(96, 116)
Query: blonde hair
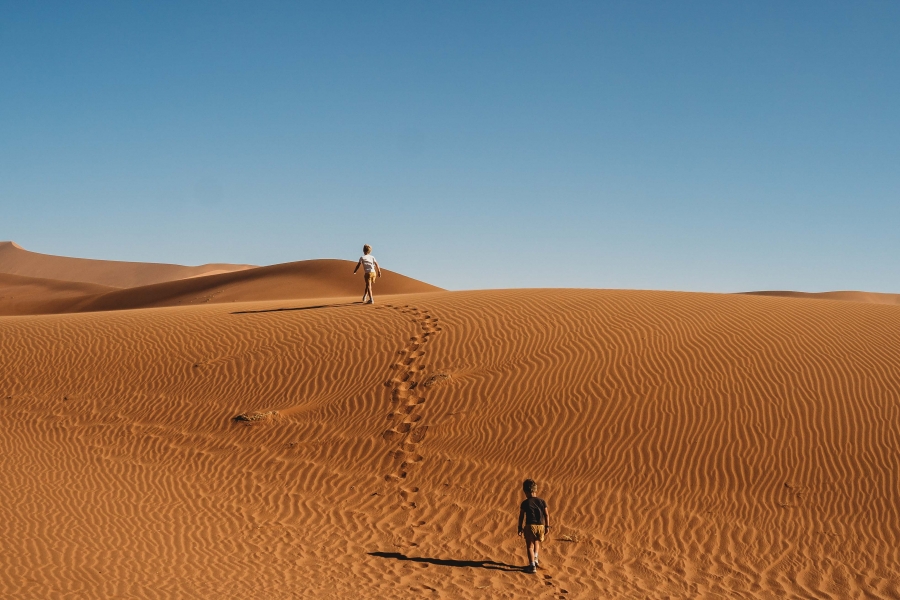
point(366, 249)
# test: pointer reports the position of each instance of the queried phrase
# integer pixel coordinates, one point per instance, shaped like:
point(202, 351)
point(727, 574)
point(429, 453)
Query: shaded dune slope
point(15, 260)
point(690, 445)
point(844, 296)
point(30, 295)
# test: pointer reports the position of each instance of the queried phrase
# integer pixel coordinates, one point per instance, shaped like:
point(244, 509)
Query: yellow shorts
point(371, 276)
point(534, 533)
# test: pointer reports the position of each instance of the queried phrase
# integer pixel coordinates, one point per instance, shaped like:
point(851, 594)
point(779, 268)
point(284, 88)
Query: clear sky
point(708, 146)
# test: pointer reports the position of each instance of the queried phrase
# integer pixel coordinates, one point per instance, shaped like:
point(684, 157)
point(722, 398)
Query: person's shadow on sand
point(448, 562)
point(269, 310)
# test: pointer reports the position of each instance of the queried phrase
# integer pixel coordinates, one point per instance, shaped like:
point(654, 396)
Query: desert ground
point(689, 445)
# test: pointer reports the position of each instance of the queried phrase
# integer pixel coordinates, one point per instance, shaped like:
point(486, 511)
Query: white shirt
point(368, 262)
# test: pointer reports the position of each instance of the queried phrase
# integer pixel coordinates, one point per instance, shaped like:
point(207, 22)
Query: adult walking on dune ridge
point(371, 270)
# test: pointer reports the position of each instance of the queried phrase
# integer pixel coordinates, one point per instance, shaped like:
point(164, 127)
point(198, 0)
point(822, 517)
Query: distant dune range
point(845, 296)
point(20, 295)
point(15, 260)
point(690, 445)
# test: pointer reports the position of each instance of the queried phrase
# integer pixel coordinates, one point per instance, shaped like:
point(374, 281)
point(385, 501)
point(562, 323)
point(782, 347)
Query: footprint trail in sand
point(408, 386)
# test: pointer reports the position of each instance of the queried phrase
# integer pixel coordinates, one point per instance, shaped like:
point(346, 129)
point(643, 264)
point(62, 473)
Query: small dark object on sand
point(257, 416)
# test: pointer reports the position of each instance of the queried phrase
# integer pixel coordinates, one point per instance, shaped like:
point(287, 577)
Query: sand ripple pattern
point(409, 387)
point(690, 446)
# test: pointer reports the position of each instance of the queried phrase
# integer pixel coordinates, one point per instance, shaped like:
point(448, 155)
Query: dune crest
point(15, 260)
point(324, 278)
point(844, 296)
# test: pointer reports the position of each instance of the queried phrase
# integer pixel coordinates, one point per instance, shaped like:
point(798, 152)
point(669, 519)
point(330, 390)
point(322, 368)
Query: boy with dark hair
point(534, 523)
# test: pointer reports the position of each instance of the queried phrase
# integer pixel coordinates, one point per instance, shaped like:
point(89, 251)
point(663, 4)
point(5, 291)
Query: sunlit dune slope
point(29, 295)
point(15, 260)
point(845, 296)
point(689, 446)
point(324, 278)
point(288, 281)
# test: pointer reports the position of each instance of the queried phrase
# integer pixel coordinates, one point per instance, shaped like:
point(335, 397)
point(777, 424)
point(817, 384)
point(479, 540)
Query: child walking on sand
point(370, 271)
point(534, 523)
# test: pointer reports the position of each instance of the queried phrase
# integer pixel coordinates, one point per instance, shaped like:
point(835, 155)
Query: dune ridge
point(15, 260)
point(31, 295)
point(844, 296)
point(323, 278)
point(689, 445)
point(326, 278)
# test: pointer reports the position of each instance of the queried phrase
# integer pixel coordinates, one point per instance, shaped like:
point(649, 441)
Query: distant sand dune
point(845, 296)
point(288, 281)
point(297, 280)
point(30, 295)
point(689, 445)
point(15, 260)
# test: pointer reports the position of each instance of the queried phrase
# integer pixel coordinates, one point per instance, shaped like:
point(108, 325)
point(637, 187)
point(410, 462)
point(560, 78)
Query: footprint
point(418, 434)
point(397, 454)
point(405, 494)
point(412, 461)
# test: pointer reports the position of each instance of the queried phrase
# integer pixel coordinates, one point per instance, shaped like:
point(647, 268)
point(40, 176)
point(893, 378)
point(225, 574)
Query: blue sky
point(706, 146)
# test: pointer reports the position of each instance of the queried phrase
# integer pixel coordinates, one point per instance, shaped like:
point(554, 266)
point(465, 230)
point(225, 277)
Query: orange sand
point(689, 446)
point(31, 295)
point(15, 260)
point(845, 296)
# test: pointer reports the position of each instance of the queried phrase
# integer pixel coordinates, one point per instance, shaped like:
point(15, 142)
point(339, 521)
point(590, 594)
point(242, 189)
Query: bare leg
point(529, 546)
point(537, 549)
point(368, 290)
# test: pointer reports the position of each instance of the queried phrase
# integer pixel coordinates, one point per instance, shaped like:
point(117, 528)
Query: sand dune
point(689, 445)
point(297, 280)
point(31, 295)
point(844, 296)
point(15, 260)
